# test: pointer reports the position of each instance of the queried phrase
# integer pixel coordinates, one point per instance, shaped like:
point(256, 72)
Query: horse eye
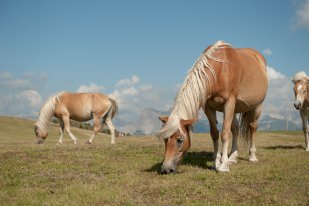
point(180, 140)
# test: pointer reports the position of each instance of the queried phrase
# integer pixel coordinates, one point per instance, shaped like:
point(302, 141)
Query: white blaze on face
point(300, 97)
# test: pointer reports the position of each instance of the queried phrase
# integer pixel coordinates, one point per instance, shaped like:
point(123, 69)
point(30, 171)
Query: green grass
point(127, 173)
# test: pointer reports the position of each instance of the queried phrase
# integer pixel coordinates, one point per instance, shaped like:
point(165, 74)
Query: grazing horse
point(226, 79)
point(80, 107)
point(301, 103)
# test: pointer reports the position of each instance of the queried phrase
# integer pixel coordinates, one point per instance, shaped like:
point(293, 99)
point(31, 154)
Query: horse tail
point(246, 119)
point(114, 108)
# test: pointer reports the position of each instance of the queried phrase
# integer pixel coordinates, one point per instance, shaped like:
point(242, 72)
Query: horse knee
point(225, 135)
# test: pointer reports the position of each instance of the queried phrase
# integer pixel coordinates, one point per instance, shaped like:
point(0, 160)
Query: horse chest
point(216, 103)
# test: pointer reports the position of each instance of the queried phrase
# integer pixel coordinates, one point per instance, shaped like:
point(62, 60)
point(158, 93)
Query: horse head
point(176, 145)
point(40, 134)
point(301, 93)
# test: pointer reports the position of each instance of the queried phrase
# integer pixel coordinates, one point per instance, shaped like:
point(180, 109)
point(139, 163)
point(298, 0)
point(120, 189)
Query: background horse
point(80, 107)
point(301, 103)
point(222, 79)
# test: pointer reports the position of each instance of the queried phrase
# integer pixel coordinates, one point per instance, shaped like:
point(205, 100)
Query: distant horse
point(301, 103)
point(80, 107)
point(224, 79)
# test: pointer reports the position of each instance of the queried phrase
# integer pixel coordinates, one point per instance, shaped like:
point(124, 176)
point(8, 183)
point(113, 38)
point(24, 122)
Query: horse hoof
point(223, 169)
point(253, 159)
point(233, 158)
point(59, 143)
point(307, 149)
point(87, 142)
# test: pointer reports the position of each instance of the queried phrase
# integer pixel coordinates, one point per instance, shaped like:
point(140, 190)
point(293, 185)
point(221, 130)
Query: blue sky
point(136, 51)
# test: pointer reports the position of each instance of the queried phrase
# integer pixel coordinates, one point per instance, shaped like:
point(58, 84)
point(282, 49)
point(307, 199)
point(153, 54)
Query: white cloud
point(31, 96)
point(6, 75)
point(25, 103)
point(128, 82)
point(132, 97)
point(273, 74)
point(302, 15)
point(267, 52)
point(17, 83)
point(91, 88)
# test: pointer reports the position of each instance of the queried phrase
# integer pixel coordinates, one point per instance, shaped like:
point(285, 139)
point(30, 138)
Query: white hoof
point(59, 143)
point(223, 168)
point(75, 142)
point(307, 149)
point(233, 158)
point(112, 142)
point(253, 159)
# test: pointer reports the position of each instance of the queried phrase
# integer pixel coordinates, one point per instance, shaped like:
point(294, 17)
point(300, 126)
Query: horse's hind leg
point(111, 127)
point(253, 128)
point(66, 122)
point(96, 128)
point(235, 133)
point(61, 131)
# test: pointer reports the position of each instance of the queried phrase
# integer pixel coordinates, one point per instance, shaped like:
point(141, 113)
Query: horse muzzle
point(297, 104)
point(168, 168)
point(39, 141)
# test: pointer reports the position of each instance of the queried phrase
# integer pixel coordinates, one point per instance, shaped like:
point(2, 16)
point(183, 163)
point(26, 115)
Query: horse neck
point(46, 113)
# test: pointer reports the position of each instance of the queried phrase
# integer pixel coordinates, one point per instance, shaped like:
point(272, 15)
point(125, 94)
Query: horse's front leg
point(66, 121)
point(305, 129)
point(214, 132)
point(60, 141)
point(229, 109)
point(235, 132)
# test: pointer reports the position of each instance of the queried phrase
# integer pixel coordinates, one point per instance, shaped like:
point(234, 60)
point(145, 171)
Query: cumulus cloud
point(91, 88)
point(5, 75)
point(267, 52)
point(133, 96)
point(273, 74)
point(17, 83)
point(20, 96)
point(128, 82)
point(25, 103)
point(302, 15)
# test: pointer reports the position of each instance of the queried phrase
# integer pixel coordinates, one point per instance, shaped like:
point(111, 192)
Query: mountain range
point(148, 122)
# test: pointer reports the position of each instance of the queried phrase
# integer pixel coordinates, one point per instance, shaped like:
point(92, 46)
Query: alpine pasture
point(127, 173)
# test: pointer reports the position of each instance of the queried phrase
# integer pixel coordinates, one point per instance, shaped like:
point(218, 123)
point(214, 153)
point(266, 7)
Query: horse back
point(82, 106)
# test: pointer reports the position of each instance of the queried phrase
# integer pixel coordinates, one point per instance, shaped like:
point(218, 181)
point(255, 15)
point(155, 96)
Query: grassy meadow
point(127, 173)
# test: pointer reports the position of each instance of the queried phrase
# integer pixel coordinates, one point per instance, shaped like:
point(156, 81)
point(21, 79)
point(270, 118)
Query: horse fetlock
point(253, 157)
point(233, 158)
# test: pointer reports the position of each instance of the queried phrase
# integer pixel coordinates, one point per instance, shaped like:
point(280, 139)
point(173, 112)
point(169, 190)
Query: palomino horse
point(80, 107)
point(224, 79)
point(301, 90)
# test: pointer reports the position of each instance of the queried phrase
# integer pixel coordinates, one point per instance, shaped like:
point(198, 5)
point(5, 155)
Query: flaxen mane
point(47, 111)
point(299, 77)
point(193, 93)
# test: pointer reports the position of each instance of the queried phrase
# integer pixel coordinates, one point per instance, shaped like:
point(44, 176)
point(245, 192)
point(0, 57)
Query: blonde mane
point(47, 111)
point(193, 93)
point(300, 76)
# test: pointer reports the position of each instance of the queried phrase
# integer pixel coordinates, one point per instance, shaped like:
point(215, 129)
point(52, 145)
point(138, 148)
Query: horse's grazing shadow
point(284, 147)
point(198, 159)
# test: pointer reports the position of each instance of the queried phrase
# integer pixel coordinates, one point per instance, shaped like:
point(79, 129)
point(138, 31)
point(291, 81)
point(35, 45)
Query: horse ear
point(188, 122)
point(163, 119)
